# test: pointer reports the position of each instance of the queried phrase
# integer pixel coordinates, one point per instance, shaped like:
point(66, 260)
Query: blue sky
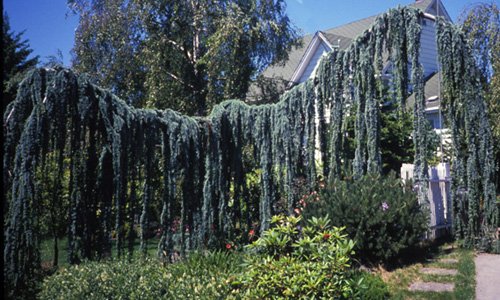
point(47, 26)
point(51, 26)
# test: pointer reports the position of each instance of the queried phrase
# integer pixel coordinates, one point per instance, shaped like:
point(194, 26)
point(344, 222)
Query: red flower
point(326, 236)
point(228, 246)
point(251, 232)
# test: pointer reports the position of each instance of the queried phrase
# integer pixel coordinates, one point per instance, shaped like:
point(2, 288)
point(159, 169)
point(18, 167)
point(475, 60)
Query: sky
point(50, 26)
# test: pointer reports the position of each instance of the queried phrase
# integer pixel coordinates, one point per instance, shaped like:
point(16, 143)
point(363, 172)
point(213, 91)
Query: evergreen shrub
point(381, 214)
point(200, 276)
point(293, 262)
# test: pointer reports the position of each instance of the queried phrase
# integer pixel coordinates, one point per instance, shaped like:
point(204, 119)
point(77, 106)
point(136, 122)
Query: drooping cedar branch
point(473, 186)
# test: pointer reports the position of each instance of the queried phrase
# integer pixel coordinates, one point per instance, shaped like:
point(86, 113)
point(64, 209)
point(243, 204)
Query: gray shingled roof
point(349, 31)
point(337, 40)
point(286, 71)
point(422, 4)
point(431, 90)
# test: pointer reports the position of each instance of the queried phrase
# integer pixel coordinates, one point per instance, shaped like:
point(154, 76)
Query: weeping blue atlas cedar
point(123, 161)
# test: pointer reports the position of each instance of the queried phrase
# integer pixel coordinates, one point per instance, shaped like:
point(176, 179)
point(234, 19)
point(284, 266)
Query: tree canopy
point(481, 25)
point(184, 55)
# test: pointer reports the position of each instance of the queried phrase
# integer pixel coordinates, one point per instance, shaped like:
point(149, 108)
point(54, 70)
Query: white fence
point(439, 196)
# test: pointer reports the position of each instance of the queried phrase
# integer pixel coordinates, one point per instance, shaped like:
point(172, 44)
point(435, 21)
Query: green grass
point(47, 250)
point(465, 282)
point(400, 279)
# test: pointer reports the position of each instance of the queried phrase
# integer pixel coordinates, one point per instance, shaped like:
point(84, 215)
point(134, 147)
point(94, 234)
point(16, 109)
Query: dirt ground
point(487, 276)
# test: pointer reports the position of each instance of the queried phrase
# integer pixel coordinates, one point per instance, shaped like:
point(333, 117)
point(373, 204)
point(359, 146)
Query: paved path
point(431, 287)
point(487, 277)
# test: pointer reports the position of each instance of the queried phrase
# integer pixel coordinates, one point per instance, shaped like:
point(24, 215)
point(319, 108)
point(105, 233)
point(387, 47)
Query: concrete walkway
point(487, 277)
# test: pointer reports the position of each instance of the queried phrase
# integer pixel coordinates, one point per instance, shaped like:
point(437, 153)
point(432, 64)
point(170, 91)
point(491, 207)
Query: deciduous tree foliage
point(108, 46)
point(481, 26)
point(198, 160)
point(183, 55)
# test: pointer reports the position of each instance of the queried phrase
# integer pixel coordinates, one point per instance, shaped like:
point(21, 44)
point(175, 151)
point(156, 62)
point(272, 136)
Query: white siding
point(428, 48)
point(322, 48)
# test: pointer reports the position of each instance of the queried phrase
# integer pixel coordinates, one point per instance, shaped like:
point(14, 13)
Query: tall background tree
point(16, 61)
point(481, 25)
point(184, 55)
point(108, 46)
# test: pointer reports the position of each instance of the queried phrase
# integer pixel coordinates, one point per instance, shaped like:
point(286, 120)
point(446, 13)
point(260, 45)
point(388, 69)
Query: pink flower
point(385, 206)
point(251, 232)
point(228, 246)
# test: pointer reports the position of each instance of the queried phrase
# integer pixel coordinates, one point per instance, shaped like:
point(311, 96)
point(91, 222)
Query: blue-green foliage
point(112, 145)
point(475, 214)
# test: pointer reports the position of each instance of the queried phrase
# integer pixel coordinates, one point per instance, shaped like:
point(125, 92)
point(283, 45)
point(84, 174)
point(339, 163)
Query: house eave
point(318, 38)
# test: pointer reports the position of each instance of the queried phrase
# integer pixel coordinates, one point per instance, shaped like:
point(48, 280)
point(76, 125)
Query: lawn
point(47, 250)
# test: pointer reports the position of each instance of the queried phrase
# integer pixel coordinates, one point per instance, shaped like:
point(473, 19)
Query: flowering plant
point(288, 262)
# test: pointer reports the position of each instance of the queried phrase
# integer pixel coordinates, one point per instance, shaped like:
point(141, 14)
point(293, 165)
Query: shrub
point(198, 277)
point(293, 262)
point(380, 213)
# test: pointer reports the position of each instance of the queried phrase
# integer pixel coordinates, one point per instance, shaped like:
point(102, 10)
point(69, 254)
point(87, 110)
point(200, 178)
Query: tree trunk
point(55, 260)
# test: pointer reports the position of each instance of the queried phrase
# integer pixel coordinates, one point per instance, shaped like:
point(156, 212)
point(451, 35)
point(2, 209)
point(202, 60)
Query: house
point(303, 60)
